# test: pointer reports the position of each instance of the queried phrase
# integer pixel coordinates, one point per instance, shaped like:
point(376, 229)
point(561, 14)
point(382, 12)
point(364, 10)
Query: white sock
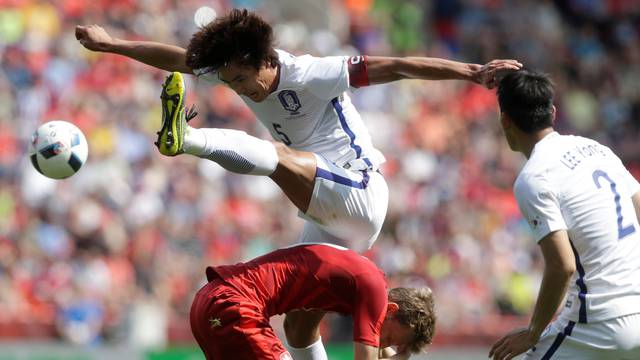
point(314, 351)
point(234, 150)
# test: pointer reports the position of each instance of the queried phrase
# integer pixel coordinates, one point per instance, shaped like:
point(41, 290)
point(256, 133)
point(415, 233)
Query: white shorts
point(613, 339)
point(347, 207)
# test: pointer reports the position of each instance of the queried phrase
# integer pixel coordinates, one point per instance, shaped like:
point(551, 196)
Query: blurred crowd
point(115, 253)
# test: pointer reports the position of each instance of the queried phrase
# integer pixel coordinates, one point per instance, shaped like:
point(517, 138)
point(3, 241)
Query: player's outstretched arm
point(386, 69)
point(162, 56)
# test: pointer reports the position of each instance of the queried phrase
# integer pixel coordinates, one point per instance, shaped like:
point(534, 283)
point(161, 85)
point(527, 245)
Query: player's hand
point(513, 344)
point(93, 37)
point(489, 74)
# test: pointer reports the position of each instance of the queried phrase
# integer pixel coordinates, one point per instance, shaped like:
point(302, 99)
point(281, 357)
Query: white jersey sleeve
point(632, 183)
point(326, 77)
point(539, 206)
point(627, 179)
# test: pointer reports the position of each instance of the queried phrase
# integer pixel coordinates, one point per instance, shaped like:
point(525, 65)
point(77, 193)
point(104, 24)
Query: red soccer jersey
point(315, 277)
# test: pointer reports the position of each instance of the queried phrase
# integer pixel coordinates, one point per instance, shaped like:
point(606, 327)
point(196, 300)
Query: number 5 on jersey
point(285, 139)
point(622, 230)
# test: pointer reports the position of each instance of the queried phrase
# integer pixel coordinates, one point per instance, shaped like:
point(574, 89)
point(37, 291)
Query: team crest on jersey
point(289, 100)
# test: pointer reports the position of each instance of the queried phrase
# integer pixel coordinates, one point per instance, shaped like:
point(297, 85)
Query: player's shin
point(234, 150)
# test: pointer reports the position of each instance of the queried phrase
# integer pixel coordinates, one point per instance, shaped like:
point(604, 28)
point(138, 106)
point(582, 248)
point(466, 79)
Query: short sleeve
point(370, 308)
point(632, 183)
point(539, 206)
point(628, 180)
point(327, 77)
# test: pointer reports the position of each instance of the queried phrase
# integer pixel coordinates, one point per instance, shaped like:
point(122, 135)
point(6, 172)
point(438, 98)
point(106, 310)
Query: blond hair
point(416, 310)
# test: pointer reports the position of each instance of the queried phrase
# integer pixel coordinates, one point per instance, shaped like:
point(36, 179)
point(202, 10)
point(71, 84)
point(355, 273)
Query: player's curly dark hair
point(416, 310)
point(241, 37)
point(527, 97)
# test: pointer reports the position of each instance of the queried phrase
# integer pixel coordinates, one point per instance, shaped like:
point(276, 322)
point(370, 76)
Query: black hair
point(526, 96)
point(241, 37)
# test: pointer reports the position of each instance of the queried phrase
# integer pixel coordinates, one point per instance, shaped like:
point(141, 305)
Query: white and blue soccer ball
point(58, 149)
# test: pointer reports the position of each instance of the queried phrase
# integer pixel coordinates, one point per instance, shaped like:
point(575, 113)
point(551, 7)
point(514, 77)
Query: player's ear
point(392, 307)
point(553, 114)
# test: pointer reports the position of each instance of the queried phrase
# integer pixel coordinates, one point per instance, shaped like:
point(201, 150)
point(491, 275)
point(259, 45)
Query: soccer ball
point(58, 149)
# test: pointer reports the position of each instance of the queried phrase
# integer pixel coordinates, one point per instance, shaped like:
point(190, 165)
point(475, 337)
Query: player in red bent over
point(230, 314)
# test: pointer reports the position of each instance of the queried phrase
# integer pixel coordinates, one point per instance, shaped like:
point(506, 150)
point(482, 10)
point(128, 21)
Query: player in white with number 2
point(324, 161)
point(583, 207)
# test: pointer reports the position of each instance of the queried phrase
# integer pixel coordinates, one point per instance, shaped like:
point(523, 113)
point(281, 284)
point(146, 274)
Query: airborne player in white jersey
point(584, 209)
point(324, 160)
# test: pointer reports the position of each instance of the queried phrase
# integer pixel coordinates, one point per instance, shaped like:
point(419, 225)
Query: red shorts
point(227, 325)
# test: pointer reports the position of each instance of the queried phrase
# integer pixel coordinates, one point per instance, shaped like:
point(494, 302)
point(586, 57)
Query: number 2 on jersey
point(622, 230)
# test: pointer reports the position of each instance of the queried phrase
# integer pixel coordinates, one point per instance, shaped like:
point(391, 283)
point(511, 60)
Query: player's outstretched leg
point(293, 171)
point(236, 151)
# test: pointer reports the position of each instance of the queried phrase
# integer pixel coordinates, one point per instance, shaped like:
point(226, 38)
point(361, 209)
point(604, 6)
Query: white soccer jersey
point(576, 184)
point(311, 111)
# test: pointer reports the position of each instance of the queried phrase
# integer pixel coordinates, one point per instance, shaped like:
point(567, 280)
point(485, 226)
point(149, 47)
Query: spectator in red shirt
point(230, 314)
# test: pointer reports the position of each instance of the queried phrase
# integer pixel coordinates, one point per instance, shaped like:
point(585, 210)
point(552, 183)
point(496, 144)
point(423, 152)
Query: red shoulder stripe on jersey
point(358, 75)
